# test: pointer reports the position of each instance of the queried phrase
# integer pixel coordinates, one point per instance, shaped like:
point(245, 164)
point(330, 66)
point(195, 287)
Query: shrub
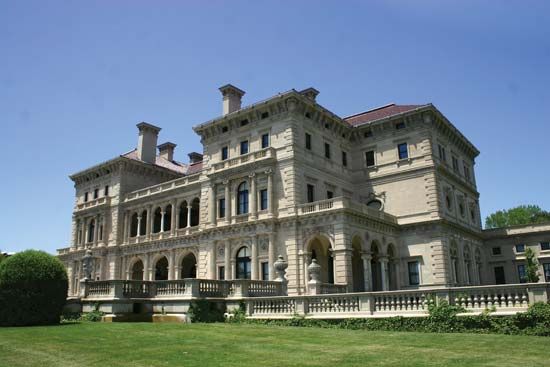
point(205, 311)
point(33, 289)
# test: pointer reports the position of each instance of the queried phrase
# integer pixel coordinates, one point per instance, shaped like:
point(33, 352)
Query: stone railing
point(183, 288)
point(502, 299)
point(329, 288)
point(105, 200)
point(244, 159)
point(343, 203)
point(163, 187)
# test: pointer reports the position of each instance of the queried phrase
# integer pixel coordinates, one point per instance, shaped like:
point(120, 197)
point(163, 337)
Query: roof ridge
point(371, 110)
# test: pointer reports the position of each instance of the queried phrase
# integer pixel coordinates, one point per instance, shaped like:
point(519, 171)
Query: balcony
point(163, 187)
point(342, 203)
point(261, 155)
point(95, 203)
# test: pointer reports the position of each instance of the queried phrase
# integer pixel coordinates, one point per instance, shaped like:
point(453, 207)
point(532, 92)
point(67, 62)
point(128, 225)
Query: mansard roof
point(380, 113)
point(175, 166)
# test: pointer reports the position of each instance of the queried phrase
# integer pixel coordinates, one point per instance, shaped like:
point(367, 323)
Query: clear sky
point(76, 76)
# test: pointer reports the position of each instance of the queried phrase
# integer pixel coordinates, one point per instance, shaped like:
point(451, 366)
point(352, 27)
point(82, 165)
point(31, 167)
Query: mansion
point(381, 200)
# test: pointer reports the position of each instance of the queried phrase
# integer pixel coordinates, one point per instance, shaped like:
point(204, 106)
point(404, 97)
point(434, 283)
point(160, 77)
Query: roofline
point(367, 111)
point(415, 110)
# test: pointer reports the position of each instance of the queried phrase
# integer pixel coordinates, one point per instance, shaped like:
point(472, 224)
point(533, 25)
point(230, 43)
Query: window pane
point(414, 276)
point(265, 140)
point(263, 199)
point(310, 194)
point(244, 147)
point(402, 149)
point(521, 274)
point(369, 156)
point(327, 150)
point(221, 209)
point(308, 141)
point(546, 268)
point(344, 159)
point(265, 271)
point(224, 153)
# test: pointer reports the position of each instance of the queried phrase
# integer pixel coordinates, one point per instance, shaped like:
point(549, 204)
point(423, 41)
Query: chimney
point(231, 98)
point(195, 157)
point(310, 93)
point(147, 142)
point(166, 151)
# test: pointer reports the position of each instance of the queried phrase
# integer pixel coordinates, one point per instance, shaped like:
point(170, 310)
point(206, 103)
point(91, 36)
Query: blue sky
point(75, 78)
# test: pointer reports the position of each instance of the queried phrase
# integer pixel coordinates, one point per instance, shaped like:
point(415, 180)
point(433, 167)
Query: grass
point(148, 344)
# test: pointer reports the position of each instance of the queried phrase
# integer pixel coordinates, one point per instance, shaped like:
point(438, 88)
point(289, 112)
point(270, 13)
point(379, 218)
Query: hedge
point(33, 289)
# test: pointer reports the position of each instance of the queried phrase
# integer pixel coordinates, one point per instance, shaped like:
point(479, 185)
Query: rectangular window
point(455, 164)
point(106, 191)
point(546, 269)
point(442, 154)
point(96, 193)
point(263, 199)
point(369, 157)
point(344, 159)
point(308, 141)
point(265, 271)
point(521, 274)
point(327, 150)
point(500, 278)
point(221, 272)
point(244, 147)
point(545, 246)
point(221, 208)
point(414, 273)
point(265, 141)
point(400, 125)
point(466, 171)
point(310, 193)
point(496, 251)
point(330, 194)
point(403, 151)
point(85, 197)
point(520, 248)
point(225, 153)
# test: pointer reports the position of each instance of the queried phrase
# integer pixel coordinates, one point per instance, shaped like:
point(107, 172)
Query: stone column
point(139, 226)
point(177, 220)
point(83, 233)
point(307, 262)
point(126, 232)
point(96, 228)
point(172, 265)
point(384, 273)
point(104, 237)
point(149, 224)
point(233, 205)
point(254, 260)
point(213, 260)
point(367, 271)
point(227, 260)
point(212, 204)
point(342, 266)
point(74, 242)
point(227, 201)
point(253, 196)
point(173, 217)
point(270, 195)
point(189, 207)
point(233, 269)
point(162, 214)
point(271, 255)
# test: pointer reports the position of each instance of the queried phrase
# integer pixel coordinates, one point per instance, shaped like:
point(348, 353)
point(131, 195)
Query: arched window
point(242, 198)
point(188, 267)
point(183, 215)
point(143, 223)
point(134, 225)
point(157, 220)
point(161, 269)
point(137, 271)
point(195, 211)
point(167, 218)
point(91, 229)
point(243, 264)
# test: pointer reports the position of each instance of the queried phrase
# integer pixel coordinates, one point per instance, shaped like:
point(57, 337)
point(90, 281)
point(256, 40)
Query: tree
point(523, 214)
point(532, 268)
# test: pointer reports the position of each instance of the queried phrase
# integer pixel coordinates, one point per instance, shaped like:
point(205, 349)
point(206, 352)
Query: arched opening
point(161, 269)
point(320, 250)
point(393, 267)
point(357, 265)
point(91, 229)
point(242, 198)
point(183, 215)
point(453, 251)
point(376, 269)
point(157, 219)
point(167, 218)
point(195, 212)
point(188, 267)
point(134, 225)
point(143, 223)
point(243, 264)
point(137, 271)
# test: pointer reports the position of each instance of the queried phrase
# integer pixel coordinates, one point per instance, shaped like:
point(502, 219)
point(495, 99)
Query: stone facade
point(383, 200)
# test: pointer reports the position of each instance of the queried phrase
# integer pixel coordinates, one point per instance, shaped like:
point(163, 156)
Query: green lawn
point(148, 344)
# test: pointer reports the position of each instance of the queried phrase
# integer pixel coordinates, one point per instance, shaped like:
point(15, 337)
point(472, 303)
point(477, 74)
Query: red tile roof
point(175, 166)
point(379, 113)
